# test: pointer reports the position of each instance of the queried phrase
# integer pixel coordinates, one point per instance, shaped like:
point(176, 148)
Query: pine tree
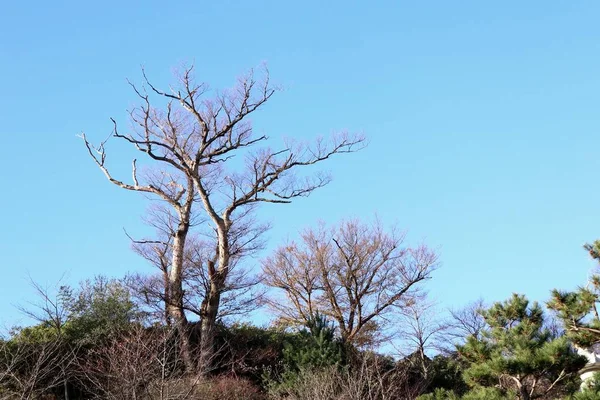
point(316, 348)
point(591, 390)
point(517, 353)
point(578, 309)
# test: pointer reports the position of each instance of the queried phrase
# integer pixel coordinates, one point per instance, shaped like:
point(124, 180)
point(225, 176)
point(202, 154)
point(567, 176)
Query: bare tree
point(53, 306)
point(155, 290)
point(422, 332)
point(157, 132)
point(355, 273)
point(53, 309)
point(240, 293)
point(467, 321)
point(193, 138)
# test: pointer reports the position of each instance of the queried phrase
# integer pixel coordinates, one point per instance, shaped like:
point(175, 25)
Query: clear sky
point(483, 120)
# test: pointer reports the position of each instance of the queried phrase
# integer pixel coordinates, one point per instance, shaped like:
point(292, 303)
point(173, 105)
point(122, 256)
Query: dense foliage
point(578, 309)
point(517, 353)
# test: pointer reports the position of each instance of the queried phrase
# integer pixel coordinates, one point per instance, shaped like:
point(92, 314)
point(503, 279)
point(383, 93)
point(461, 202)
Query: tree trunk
point(210, 311)
point(423, 360)
point(175, 304)
point(210, 306)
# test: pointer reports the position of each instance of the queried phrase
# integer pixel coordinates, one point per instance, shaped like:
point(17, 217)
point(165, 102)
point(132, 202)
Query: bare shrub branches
point(373, 378)
point(29, 370)
point(142, 363)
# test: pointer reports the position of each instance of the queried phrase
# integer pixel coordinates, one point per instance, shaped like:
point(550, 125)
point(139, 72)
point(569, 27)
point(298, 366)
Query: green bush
point(314, 348)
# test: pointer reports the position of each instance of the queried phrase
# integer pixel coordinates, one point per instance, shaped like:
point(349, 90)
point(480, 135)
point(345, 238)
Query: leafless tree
point(193, 138)
point(466, 321)
point(240, 293)
point(154, 135)
point(422, 332)
point(355, 273)
point(53, 309)
point(52, 306)
point(154, 290)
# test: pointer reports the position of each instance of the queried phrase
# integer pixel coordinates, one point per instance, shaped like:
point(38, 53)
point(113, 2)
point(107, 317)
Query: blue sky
point(482, 119)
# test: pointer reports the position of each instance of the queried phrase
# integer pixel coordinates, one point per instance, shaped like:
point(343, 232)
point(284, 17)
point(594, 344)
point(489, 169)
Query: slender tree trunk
point(423, 357)
point(167, 294)
point(175, 305)
point(210, 306)
point(208, 328)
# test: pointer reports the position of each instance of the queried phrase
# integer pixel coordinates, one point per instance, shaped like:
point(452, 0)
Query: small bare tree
point(193, 139)
point(421, 332)
point(467, 321)
point(52, 309)
point(355, 273)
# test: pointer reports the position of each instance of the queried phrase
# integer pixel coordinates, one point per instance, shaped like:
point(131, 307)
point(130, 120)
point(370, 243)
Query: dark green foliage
point(312, 349)
point(439, 394)
point(591, 390)
point(316, 347)
point(518, 353)
point(40, 333)
point(586, 395)
point(485, 393)
point(102, 307)
point(578, 309)
point(445, 372)
point(97, 309)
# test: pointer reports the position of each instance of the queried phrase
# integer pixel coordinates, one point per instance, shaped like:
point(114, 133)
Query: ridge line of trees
point(339, 295)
